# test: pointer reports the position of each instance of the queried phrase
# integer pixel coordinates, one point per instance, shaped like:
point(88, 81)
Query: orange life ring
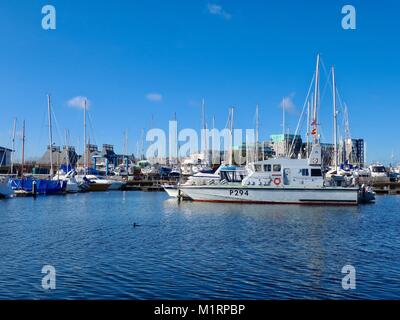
point(277, 181)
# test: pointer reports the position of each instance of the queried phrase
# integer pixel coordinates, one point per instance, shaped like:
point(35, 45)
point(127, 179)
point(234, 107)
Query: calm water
point(195, 250)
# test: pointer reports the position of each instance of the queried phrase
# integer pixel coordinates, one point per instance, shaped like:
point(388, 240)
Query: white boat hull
point(172, 191)
point(116, 185)
point(239, 194)
point(72, 187)
point(5, 190)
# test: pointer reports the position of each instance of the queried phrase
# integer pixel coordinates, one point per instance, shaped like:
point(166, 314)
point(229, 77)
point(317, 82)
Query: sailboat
point(282, 180)
point(90, 183)
point(199, 162)
point(72, 184)
point(32, 186)
point(68, 177)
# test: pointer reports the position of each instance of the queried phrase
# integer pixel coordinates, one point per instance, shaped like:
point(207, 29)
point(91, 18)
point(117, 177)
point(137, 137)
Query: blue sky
point(136, 60)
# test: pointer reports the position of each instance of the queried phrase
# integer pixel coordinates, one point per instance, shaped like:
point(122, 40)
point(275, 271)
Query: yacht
point(194, 164)
point(93, 183)
point(378, 170)
point(72, 183)
point(113, 184)
point(224, 174)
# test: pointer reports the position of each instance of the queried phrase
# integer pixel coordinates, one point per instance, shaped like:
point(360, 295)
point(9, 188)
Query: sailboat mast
point(231, 146)
point(50, 135)
point(213, 122)
point(84, 137)
point(66, 148)
point(23, 149)
point(257, 132)
point(335, 151)
point(316, 89)
point(204, 128)
point(284, 126)
point(177, 140)
point(13, 145)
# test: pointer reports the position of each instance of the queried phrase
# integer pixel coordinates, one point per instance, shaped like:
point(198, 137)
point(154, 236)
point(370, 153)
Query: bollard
point(34, 188)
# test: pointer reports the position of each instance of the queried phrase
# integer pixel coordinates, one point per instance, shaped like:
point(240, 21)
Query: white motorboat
point(92, 183)
point(113, 184)
point(223, 173)
point(379, 174)
point(72, 183)
point(378, 170)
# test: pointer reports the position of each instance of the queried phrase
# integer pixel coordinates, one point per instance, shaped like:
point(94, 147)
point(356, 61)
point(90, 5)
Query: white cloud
point(154, 97)
point(287, 103)
point(217, 10)
point(79, 102)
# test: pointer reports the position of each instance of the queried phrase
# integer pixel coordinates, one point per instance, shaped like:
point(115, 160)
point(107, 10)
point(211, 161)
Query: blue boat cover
point(42, 186)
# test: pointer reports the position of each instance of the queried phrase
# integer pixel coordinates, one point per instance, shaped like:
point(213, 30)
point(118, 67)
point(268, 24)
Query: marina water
point(137, 245)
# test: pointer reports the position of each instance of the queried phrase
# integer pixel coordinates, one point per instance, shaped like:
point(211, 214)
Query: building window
point(267, 168)
point(277, 168)
point(316, 173)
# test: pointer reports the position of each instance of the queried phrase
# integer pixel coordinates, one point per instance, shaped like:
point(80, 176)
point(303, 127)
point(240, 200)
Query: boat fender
point(277, 181)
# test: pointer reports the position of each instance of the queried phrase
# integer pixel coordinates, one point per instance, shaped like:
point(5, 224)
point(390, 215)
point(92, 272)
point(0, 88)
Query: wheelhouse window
point(277, 168)
point(232, 176)
point(316, 173)
point(304, 172)
point(258, 167)
point(267, 168)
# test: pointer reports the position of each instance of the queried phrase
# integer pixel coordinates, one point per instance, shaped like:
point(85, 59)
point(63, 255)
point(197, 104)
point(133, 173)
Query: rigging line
point(304, 119)
point(342, 112)
point(346, 120)
point(57, 126)
point(301, 115)
point(229, 117)
point(328, 82)
point(321, 97)
point(337, 110)
point(340, 99)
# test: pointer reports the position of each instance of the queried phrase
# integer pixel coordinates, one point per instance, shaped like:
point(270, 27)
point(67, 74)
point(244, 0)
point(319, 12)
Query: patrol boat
point(279, 181)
